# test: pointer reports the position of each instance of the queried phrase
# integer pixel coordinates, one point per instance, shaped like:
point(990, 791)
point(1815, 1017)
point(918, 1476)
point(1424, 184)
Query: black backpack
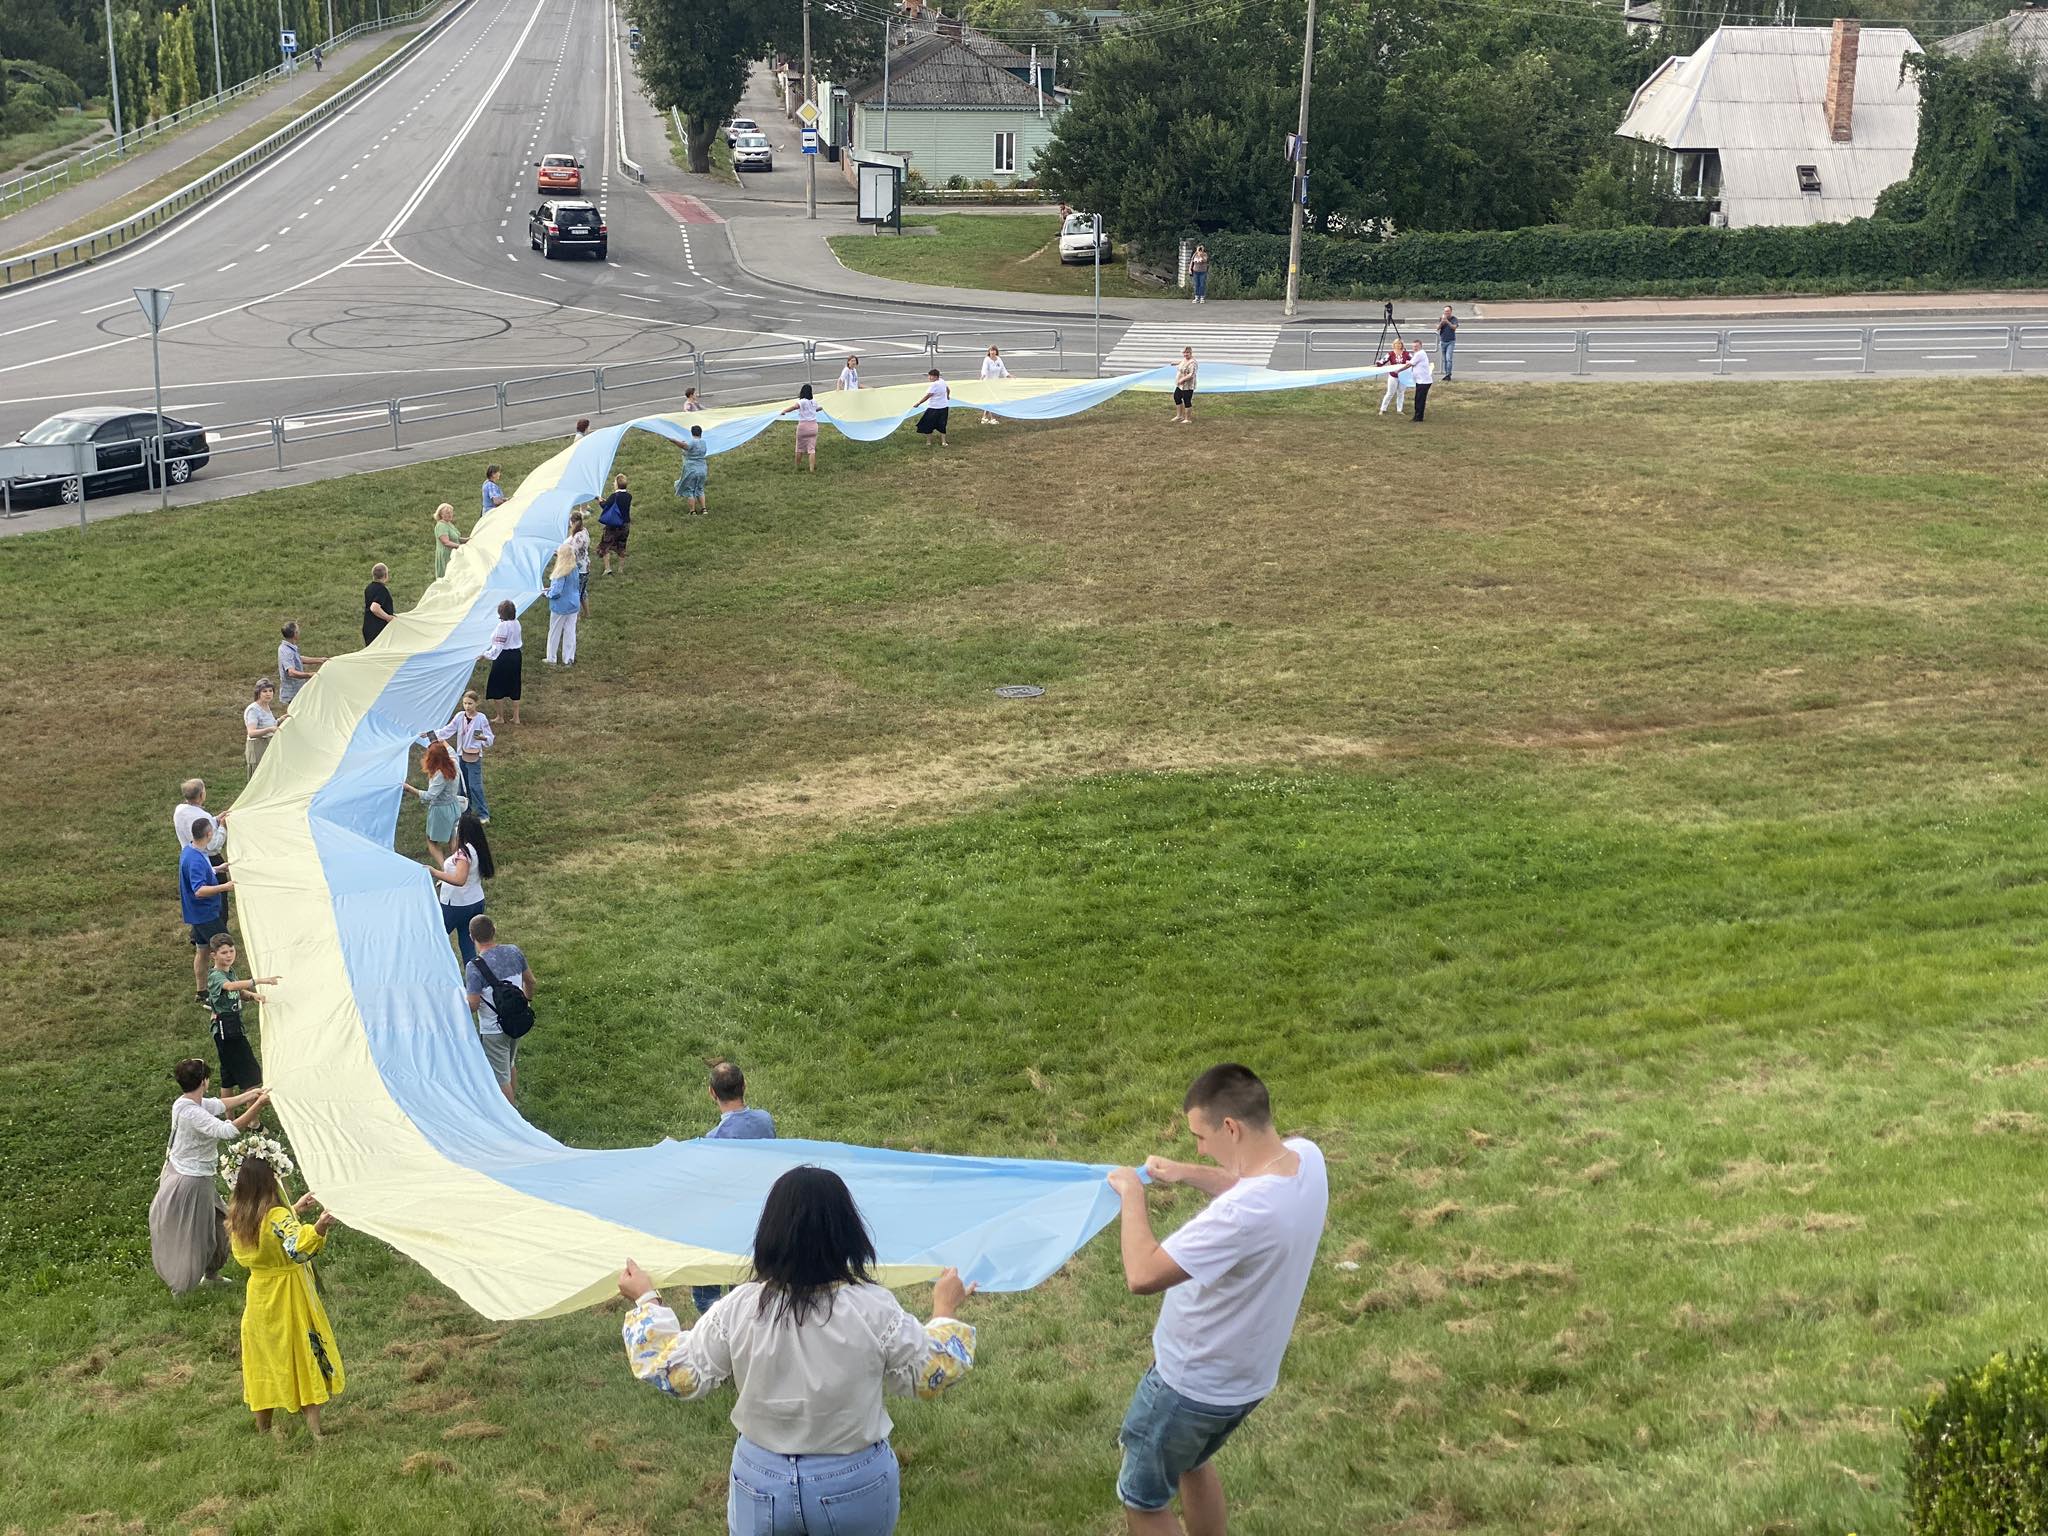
point(509, 1002)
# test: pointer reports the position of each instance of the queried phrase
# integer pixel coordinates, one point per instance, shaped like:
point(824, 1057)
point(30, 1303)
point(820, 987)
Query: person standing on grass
point(615, 516)
point(579, 546)
point(565, 602)
point(376, 602)
point(188, 1241)
point(1397, 381)
point(938, 408)
point(696, 474)
point(1233, 1276)
point(849, 376)
point(493, 491)
point(736, 1122)
point(1198, 273)
point(461, 880)
point(1424, 377)
point(582, 429)
point(1184, 377)
point(202, 900)
point(487, 980)
point(806, 411)
point(992, 367)
point(447, 538)
point(258, 723)
point(1447, 339)
point(238, 1065)
point(190, 810)
point(441, 797)
point(504, 654)
point(289, 1357)
point(294, 667)
point(813, 1344)
point(471, 731)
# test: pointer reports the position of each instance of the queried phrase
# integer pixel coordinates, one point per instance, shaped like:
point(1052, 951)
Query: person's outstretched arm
point(687, 1364)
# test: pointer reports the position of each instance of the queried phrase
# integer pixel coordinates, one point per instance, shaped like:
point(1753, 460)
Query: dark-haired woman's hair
point(471, 831)
point(810, 1239)
point(190, 1073)
point(804, 393)
point(256, 1191)
point(696, 431)
point(508, 609)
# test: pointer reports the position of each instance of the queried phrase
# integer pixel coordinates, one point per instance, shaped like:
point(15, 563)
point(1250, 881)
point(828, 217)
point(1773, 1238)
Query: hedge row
point(1552, 261)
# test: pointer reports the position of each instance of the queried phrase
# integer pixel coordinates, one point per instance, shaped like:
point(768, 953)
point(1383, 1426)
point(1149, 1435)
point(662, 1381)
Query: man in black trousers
point(1424, 377)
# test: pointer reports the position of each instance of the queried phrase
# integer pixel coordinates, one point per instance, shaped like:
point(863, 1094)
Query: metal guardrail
point(102, 242)
point(1584, 350)
point(617, 69)
point(23, 190)
point(774, 369)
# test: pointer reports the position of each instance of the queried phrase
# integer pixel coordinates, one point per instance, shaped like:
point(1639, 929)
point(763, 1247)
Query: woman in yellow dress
point(289, 1357)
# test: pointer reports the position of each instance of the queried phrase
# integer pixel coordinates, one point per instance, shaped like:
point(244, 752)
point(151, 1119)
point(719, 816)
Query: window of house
point(1006, 152)
point(1809, 178)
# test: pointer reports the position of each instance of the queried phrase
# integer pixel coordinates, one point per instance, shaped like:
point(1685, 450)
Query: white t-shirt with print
point(942, 397)
point(1222, 1331)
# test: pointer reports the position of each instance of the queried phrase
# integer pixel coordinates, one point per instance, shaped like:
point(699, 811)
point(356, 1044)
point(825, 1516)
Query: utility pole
point(810, 161)
point(1098, 295)
point(885, 85)
point(1300, 186)
point(218, 87)
point(330, 23)
point(156, 305)
point(114, 75)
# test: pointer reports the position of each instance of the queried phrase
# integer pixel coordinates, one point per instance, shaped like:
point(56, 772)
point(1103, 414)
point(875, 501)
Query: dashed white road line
point(18, 330)
point(228, 268)
point(262, 248)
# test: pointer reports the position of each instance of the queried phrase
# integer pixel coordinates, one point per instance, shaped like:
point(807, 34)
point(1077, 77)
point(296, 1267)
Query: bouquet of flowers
point(256, 1144)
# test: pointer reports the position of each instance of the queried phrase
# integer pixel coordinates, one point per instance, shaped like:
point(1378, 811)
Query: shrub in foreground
point(1977, 1455)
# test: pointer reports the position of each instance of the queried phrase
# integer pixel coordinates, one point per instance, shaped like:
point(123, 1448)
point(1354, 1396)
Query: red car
point(558, 173)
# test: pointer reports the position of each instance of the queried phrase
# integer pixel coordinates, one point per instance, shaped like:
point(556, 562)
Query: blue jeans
point(858, 1494)
point(473, 786)
point(1166, 1436)
point(1447, 349)
point(1201, 284)
point(702, 1297)
point(456, 921)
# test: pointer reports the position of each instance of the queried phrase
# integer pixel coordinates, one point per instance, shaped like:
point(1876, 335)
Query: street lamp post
point(114, 76)
point(1098, 295)
point(1300, 186)
point(810, 160)
point(156, 304)
point(219, 89)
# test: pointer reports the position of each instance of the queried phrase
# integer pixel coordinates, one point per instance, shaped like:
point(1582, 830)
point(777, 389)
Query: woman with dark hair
point(289, 1357)
point(461, 879)
point(258, 723)
point(443, 800)
point(806, 412)
point(813, 1343)
point(503, 654)
point(187, 1244)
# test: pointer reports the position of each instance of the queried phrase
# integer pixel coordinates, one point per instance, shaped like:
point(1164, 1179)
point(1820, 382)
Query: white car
point(1078, 239)
point(738, 126)
point(750, 152)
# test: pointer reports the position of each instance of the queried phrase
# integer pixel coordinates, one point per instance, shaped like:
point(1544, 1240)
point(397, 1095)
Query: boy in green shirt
point(238, 1065)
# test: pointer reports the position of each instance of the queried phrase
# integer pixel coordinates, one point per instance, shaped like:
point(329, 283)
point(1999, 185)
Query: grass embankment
point(191, 170)
point(1611, 817)
point(67, 133)
point(1014, 251)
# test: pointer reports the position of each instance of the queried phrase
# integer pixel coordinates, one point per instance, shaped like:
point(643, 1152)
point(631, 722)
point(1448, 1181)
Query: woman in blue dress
point(696, 470)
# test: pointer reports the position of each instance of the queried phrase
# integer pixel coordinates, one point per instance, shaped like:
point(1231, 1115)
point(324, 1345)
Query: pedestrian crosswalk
point(1150, 346)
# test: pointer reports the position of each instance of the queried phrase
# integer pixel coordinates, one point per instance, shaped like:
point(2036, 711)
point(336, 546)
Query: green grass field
point(1610, 818)
point(1014, 251)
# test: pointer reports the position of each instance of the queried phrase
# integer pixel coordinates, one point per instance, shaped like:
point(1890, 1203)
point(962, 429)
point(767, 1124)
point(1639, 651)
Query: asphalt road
point(387, 256)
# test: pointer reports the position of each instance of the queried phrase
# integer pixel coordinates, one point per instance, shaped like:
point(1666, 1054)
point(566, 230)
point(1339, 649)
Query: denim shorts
point(1165, 1437)
point(858, 1494)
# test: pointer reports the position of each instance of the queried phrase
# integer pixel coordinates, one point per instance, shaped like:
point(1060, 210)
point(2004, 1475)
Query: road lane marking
point(18, 330)
point(262, 248)
point(228, 268)
point(99, 308)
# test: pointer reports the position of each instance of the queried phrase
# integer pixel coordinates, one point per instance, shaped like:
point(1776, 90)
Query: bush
point(1977, 1455)
point(28, 108)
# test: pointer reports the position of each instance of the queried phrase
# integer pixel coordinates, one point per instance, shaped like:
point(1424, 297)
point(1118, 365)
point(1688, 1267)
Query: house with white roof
point(2024, 31)
point(1784, 125)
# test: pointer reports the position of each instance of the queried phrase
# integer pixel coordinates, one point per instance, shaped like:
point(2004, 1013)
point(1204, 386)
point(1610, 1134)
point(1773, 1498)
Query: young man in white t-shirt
point(1233, 1278)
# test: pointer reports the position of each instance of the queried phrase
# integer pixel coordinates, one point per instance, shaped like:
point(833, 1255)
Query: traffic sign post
point(807, 114)
point(810, 141)
point(155, 304)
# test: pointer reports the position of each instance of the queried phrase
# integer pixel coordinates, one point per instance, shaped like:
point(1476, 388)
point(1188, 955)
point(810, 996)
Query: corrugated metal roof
point(1755, 94)
point(941, 71)
point(2026, 31)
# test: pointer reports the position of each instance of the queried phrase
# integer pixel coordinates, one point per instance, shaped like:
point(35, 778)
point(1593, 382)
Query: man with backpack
point(500, 987)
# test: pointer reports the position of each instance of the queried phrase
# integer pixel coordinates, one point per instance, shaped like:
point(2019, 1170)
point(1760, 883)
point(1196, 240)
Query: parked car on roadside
point(565, 224)
point(123, 456)
point(1078, 239)
point(751, 152)
point(558, 173)
point(738, 126)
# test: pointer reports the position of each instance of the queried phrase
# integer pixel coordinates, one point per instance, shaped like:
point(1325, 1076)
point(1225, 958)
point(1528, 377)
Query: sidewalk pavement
point(792, 253)
point(36, 223)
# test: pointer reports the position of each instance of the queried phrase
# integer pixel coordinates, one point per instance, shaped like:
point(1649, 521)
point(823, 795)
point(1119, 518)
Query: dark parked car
point(122, 438)
point(563, 225)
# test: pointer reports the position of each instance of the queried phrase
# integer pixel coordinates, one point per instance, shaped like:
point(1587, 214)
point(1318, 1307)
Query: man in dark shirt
point(376, 602)
point(1447, 339)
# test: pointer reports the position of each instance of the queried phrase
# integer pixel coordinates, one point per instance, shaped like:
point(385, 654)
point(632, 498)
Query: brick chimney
point(1839, 104)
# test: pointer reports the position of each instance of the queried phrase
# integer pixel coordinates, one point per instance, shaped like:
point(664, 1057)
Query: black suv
point(567, 224)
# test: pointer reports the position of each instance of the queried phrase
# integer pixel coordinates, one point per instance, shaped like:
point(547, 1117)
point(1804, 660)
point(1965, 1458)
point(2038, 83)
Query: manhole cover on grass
point(1019, 691)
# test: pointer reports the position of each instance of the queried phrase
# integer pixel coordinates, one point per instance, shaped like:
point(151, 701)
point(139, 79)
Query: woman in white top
point(813, 1344)
point(849, 376)
point(993, 367)
point(461, 880)
point(470, 730)
point(188, 1242)
point(806, 412)
point(503, 653)
point(259, 724)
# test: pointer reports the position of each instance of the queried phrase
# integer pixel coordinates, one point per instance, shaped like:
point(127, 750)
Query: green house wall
point(944, 142)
